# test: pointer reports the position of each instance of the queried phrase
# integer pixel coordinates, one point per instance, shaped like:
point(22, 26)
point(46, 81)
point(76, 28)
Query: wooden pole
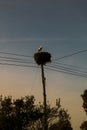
point(45, 127)
point(42, 58)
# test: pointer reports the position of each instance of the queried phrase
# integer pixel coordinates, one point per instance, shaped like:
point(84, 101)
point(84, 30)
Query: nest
point(42, 58)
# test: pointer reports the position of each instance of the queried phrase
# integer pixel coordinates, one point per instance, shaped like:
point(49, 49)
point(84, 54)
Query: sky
point(60, 26)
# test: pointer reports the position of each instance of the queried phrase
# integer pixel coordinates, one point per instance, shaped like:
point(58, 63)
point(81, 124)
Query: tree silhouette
point(84, 97)
point(63, 118)
point(17, 114)
point(57, 118)
point(84, 125)
point(23, 114)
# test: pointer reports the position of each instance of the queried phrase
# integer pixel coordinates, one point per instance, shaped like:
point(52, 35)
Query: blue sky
point(56, 19)
point(60, 26)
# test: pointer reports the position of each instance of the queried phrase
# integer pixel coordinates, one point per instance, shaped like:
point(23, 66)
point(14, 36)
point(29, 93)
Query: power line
point(17, 61)
point(48, 68)
point(14, 54)
point(10, 58)
point(66, 56)
point(27, 56)
point(69, 65)
point(67, 68)
point(57, 67)
point(53, 66)
point(67, 72)
point(20, 65)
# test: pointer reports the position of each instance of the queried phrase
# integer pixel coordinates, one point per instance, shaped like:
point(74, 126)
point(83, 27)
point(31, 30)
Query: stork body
point(40, 49)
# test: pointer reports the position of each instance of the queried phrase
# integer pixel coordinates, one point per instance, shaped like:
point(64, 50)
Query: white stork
point(40, 49)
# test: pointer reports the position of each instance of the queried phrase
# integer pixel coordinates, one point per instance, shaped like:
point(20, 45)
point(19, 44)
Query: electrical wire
point(54, 66)
point(67, 68)
point(17, 61)
point(58, 67)
point(20, 65)
point(13, 58)
point(14, 54)
point(6, 60)
point(48, 68)
point(67, 72)
point(72, 54)
point(69, 65)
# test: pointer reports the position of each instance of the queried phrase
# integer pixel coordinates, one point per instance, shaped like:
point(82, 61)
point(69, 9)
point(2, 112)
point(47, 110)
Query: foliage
point(57, 118)
point(84, 125)
point(17, 114)
point(84, 97)
point(23, 114)
point(63, 118)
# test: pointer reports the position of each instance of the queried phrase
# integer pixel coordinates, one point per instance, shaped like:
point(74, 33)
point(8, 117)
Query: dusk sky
point(60, 26)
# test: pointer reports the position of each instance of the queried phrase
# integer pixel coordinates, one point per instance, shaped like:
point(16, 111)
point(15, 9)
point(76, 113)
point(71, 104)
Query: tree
point(84, 125)
point(84, 97)
point(23, 114)
point(17, 114)
point(57, 118)
point(5, 113)
point(63, 118)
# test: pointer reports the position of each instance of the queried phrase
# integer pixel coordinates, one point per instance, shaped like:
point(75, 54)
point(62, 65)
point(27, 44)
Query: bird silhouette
point(40, 49)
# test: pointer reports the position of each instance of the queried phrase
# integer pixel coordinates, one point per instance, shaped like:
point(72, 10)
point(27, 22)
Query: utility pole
point(41, 59)
point(44, 97)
